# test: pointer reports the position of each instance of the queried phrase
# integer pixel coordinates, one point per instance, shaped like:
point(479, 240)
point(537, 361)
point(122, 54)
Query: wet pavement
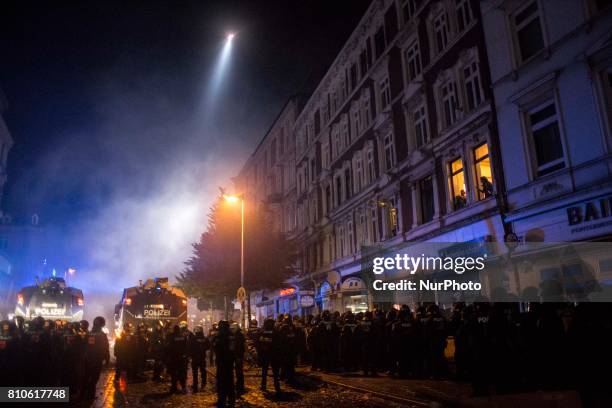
point(311, 391)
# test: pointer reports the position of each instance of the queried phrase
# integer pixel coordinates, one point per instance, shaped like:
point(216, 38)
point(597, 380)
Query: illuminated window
point(458, 184)
point(484, 176)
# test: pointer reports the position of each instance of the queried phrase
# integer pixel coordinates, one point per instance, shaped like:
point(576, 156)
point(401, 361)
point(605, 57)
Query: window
point(420, 126)
point(370, 163)
point(363, 228)
point(441, 32)
point(379, 42)
point(458, 184)
point(427, 199)
point(385, 93)
point(389, 149)
point(358, 178)
point(313, 169)
point(448, 96)
point(367, 110)
point(326, 156)
point(528, 31)
point(353, 76)
point(473, 91)
point(356, 122)
point(484, 176)
point(347, 183)
point(336, 141)
point(346, 136)
point(374, 224)
point(341, 241)
point(350, 238)
point(413, 60)
point(338, 191)
point(328, 198)
point(546, 138)
point(464, 14)
point(409, 8)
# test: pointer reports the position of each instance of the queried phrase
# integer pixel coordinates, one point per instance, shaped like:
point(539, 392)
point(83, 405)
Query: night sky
point(106, 103)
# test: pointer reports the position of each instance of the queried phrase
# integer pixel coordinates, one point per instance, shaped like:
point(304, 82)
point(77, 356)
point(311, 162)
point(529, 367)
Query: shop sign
point(306, 301)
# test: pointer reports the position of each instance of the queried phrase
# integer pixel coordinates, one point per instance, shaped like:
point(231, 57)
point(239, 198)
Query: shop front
point(355, 296)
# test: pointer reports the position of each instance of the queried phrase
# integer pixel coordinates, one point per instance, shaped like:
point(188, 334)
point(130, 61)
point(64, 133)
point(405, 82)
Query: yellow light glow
point(231, 198)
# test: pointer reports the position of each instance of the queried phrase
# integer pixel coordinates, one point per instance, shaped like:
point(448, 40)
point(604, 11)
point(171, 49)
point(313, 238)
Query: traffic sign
point(241, 294)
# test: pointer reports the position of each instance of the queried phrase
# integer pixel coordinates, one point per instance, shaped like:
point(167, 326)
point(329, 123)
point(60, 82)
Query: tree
point(213, 271)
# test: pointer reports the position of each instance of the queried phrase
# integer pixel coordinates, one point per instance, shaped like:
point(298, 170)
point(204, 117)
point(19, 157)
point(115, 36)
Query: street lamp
point(232, 199)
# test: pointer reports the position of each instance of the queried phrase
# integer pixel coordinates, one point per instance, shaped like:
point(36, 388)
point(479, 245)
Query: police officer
point(141, 340)
point(36, 350)
point(329, 336)
point(289, 350)
point(71, 358)
point(198, 346)
point(268, 346)
point(176, 352)
point(96, 353)
point(156, 348)
point(121, 352)
point(436, 342)
point(349, 347)
point(237, 342)
point(369, 342)
point(9, 354)
point(404, 341)
point(224, 357)
point(211, 336)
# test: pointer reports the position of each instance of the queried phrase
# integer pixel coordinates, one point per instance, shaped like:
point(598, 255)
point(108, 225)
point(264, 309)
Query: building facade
point(551, 68)
point(397, 144)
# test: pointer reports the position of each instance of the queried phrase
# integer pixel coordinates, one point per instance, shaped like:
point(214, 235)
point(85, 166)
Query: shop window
point(484, 175)
point(458, 192)
point(528, 31)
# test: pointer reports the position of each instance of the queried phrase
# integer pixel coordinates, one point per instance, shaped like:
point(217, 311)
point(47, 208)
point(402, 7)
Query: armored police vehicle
point(51, 299)
point(154, 301)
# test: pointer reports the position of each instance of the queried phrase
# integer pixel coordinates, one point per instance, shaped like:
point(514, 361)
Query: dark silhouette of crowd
point(499, 348)
point(46, 353)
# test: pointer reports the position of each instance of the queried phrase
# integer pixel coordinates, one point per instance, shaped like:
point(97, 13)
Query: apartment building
point(397, 144)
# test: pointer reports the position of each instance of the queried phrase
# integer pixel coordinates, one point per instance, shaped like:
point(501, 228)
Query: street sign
point(241, 294)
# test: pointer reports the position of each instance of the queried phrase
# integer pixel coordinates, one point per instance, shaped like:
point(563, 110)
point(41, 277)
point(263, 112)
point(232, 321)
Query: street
point(311, 392)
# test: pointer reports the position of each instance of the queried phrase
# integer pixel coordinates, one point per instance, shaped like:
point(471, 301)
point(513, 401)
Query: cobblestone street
point(310, 392)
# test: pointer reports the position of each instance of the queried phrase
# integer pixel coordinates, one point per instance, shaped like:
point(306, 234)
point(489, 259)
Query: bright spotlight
point(230, 36)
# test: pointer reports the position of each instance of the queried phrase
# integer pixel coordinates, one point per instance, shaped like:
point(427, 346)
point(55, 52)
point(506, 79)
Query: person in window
point(460, 200)
point(487, 187)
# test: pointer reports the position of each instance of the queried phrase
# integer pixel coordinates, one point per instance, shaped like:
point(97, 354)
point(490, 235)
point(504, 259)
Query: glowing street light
point(232, 199)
